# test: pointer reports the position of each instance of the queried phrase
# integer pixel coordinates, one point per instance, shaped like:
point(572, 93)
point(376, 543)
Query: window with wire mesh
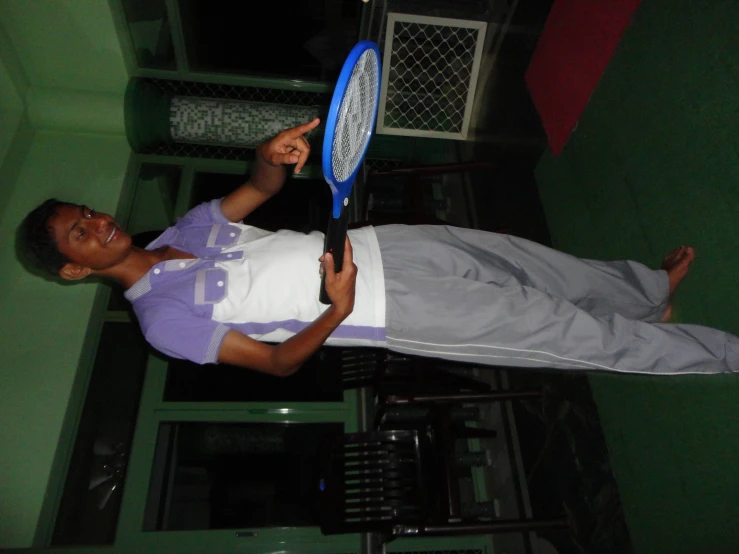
point(382, 164)
point(430, 72)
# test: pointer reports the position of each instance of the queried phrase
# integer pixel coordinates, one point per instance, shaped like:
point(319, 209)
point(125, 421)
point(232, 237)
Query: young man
point(211, 289)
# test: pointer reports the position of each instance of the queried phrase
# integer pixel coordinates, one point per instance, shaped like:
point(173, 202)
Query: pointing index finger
point(300, 130)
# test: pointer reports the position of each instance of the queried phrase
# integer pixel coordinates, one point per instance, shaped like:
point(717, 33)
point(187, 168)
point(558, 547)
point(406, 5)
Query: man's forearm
point(288, 356)
point(266, 178)
point(269, 173)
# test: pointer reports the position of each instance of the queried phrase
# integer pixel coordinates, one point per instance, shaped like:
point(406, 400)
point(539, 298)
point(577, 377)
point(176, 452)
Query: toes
point(687, 254)
point(675, 253)
point(681, 254)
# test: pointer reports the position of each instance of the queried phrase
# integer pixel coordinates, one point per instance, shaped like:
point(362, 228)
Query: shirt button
point(182, 264)
point(220, 283)
point(157, 271)
point(233, 234)
point(229, 255)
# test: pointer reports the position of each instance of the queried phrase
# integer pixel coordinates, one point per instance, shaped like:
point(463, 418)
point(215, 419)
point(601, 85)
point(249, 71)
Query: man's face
point(90, 240)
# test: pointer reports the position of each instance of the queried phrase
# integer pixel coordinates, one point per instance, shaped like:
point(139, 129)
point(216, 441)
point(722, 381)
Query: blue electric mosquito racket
point(351, 119)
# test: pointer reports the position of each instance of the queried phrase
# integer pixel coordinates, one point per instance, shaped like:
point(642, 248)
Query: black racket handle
point(334, 243)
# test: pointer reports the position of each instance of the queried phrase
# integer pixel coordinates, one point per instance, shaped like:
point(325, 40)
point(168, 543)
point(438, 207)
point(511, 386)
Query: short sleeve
point(179, 333)
point(205, 213)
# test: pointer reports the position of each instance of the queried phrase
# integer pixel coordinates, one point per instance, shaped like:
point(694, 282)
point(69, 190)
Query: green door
point(229, 475)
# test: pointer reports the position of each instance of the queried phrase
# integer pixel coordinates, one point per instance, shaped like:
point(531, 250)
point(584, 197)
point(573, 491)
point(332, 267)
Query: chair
point(390, 373)
point(392, 483)
point(399, 381)
point(422, 395)
point(441, 420)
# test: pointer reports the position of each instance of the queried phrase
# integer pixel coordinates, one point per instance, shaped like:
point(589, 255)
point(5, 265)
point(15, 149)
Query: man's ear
point(74, 272)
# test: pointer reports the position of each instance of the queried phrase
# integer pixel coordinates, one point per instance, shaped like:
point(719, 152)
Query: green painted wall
point(55, 109)
point(12, 80)
point(11, 109)
point(13, 86)
point(62, 78)
point(11, 120)
point(44, 323)
point(67, 44)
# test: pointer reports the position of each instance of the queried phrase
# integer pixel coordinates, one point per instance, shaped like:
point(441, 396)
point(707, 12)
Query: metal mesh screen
point(430, 74)
point(354, 120)
point(231, 92)
point(237, 92)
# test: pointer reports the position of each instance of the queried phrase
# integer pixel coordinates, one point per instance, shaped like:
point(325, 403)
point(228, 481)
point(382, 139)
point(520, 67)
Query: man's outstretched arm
point(269, 173)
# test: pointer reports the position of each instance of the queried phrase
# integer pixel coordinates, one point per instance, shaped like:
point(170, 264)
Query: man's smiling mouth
point(110, 237)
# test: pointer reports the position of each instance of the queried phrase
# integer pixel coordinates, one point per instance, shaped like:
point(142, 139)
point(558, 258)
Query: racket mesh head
point(355, 117)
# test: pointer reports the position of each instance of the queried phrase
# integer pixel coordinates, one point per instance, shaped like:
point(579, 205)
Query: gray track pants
point(473, 296)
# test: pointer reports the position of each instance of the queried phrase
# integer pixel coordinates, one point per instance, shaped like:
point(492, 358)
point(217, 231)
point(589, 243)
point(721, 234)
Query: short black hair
point(35, 241)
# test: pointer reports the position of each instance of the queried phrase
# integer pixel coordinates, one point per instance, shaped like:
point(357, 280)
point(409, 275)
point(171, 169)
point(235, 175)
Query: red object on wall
point(574, 48)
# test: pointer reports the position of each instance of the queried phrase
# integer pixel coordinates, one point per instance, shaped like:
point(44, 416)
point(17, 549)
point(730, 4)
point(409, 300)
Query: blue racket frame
point(340, 190)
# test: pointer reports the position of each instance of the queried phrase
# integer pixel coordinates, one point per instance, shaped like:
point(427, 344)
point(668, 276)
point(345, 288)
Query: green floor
point(652, 164)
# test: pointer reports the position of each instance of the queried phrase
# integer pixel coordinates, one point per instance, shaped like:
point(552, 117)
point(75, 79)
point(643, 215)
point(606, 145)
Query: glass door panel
point(151, 34)
point(225, 475)
point(228, 476)
point(302, 205)
point(91, 498)
point(314, 382)
point(222, 36)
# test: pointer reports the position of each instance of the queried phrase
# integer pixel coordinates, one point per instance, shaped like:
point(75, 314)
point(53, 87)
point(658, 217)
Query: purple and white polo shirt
point(260, 283)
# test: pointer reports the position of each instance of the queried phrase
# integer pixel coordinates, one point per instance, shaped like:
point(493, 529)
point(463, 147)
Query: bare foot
point(676, 263)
